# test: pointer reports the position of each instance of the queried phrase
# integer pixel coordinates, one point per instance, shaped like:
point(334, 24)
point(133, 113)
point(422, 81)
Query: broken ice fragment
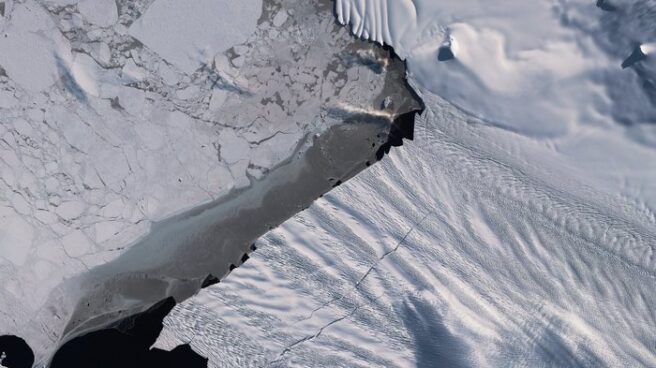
point(387, 102)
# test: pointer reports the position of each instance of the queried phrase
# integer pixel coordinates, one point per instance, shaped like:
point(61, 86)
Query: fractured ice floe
point(140, 139)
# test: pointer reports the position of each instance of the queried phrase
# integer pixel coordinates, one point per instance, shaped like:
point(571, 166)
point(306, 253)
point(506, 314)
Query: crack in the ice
point(317, 334)
point(359, 282)
point(355, 287)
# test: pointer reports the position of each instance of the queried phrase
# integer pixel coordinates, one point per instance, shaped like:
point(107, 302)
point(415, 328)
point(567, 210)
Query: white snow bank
point(648, 48)
point(542, 68)
point(549, 70)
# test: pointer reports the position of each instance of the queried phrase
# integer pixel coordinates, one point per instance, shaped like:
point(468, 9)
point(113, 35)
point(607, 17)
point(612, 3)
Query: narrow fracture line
point(356, 286)
point(382, 258)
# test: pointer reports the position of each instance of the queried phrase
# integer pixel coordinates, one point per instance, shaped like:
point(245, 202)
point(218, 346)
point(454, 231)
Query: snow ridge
point(366, 22)
point(382, 21)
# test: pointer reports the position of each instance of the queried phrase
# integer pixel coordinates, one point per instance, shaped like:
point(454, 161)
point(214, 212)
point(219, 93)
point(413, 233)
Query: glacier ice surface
point(472, 246)
point(518, 229)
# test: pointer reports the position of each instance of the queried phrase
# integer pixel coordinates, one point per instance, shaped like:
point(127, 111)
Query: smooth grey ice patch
point(180, 252)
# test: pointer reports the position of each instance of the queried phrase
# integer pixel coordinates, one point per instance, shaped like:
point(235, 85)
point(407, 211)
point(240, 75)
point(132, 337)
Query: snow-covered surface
point(549, 70)
point(545, 68)
point(111, 122)
point(470, 247)
point(517, 230)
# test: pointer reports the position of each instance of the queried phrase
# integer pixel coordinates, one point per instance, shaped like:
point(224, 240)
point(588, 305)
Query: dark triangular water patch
point(402, 128)
point(127, 344)
point(635, 57)
point(445, 53)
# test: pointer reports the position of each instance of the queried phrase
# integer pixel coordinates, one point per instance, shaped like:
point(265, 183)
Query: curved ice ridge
point(372, 19)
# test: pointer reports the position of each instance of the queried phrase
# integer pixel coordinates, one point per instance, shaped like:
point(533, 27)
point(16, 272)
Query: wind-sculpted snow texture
point(139, 142)
point(517, 230)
